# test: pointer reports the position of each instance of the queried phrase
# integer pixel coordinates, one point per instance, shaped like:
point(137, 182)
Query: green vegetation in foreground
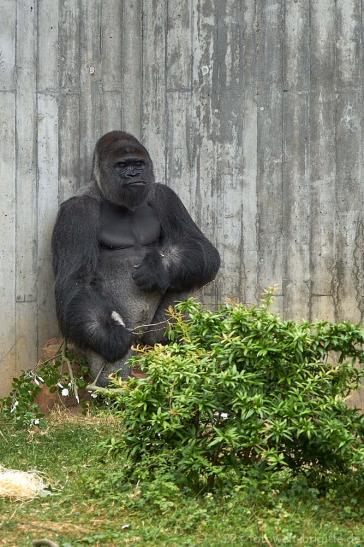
point(239, 392)
point(72, 516)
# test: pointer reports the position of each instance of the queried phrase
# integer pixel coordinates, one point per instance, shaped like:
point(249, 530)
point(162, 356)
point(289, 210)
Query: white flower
point(36, 421)
point(93, 395)
point(15, 404)
point(65, 392)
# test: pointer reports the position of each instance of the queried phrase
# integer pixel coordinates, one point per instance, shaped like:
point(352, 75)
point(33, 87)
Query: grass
point(72, 516)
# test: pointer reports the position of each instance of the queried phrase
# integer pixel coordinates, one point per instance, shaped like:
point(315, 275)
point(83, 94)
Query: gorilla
point(124, 250)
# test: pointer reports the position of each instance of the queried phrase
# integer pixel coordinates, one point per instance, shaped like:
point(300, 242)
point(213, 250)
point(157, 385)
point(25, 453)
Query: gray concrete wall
point(252, 112)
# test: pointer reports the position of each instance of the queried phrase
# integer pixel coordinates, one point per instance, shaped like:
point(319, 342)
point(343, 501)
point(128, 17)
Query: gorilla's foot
point(102, 370)
point(93, 386)
point(125, 370)
point(102, 379)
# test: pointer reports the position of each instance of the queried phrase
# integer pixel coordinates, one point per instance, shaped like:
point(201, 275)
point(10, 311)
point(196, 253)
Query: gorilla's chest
point(121, 228)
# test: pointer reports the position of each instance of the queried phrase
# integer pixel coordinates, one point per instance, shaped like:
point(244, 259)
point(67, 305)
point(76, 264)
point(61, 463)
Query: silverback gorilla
point(124, 249)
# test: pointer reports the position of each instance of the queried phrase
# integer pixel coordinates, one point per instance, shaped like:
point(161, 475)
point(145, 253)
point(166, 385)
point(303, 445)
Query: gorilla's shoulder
point(161, 193)
point(85, 207)
point(90, 189)
point(79, 202)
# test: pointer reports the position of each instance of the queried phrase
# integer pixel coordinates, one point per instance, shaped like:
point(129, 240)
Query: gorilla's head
point(122, 169)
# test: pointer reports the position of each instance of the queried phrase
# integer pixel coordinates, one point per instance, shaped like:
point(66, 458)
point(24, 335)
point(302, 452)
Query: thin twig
point(104, 390)
point(73, 381)
point(149, 325)
point(60, 399)
point(93, 386)
point(63, 343)
point(152, 330)
point(6, 520)
point(41, 363)
point(59, 353)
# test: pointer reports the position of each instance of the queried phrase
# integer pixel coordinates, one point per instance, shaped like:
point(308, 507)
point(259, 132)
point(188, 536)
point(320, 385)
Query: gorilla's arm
point(191, 260)
point(83, 309)
point(188, 259)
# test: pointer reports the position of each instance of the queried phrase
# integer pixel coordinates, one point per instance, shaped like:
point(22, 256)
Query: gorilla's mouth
point(135, 183)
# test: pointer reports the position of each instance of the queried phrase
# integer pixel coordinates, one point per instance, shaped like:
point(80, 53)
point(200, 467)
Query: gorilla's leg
point(135, 306)
point(97, 365)
point(157, 334)
point(101, 369)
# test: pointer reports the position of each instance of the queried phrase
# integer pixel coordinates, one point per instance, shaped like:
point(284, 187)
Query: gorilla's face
point(122, 169)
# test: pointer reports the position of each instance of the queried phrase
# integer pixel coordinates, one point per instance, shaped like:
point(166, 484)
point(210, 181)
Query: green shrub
point(239, 389)
point(21, 405)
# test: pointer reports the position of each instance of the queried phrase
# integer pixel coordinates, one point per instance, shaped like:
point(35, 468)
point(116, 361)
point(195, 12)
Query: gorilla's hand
point(117, 341)
point(151, 274)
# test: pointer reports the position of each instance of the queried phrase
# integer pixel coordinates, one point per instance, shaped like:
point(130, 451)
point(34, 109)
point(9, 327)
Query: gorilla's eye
point(120, 165)
point(139, 163)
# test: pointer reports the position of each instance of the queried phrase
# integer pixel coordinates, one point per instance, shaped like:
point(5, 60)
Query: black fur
point(180, 258)
point(151, 275)
point(83, 307)
point(198, 261)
